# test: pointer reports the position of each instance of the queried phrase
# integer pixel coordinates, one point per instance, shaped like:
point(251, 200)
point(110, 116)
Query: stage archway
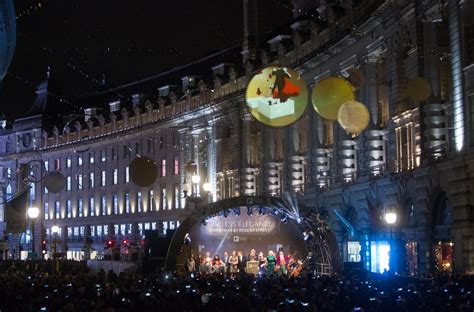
point(322, 241)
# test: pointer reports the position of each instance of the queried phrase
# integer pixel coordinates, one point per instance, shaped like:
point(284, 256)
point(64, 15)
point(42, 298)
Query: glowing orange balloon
point(418, 89)
point(329, 94)
point(353, 117)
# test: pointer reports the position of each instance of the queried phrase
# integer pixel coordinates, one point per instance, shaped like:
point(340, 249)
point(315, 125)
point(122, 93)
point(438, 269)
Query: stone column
point(212, 160)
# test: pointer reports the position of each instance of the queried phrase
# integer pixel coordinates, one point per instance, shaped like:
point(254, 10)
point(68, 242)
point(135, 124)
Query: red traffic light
point(110, 243)
point(125, 242)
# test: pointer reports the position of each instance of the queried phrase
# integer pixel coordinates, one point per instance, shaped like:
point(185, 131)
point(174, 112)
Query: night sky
point(122, 40)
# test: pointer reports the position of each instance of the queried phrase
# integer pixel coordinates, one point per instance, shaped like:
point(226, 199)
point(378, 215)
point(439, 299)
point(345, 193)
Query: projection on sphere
point(55, 181)
point(277, 96)
point(143, 171)
point(353, 117)
point(418, 89)
point(329, 94)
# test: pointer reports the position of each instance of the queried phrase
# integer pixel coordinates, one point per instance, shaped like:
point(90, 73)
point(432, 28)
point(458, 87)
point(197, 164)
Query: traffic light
point(125, 242)
point(110, 243)
point(44, 246)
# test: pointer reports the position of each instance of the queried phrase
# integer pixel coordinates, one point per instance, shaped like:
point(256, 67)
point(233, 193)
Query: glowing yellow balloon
point(356, 77)
point(418, 89)
point(353, 117)
point(329, 94)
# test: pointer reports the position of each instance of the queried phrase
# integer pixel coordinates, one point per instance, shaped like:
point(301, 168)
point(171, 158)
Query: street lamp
point(391, 218)
point(33, 213)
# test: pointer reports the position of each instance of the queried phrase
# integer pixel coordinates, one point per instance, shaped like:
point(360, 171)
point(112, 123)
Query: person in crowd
point(217, 265)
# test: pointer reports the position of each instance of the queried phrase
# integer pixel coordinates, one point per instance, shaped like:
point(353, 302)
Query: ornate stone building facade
point(415, 158)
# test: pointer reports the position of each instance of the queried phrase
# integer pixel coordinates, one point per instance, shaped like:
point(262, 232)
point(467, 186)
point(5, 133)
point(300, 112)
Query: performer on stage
point(217, 265)
point(191, 264)
point(253, 255)
point(207, 263)
point(242, 262)
point(233, 263)
point(271, 262)
point(225, 260)
point(281, 262)
point(262, 262)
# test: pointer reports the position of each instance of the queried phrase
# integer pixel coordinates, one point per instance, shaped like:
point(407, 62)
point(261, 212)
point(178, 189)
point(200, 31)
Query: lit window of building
point(139, 202)
point(91, 180)
point(57, 164)
point(176, 166)
point(153, 225)
point(115, 181)
point(176, 197)
point(146, 226)
point(114, 153)
point(163, 167)
point(68, 209)
point(79, 182)
point(103, 178)
point(46, 190)
point(68, 162)
point(127, 174)
point(115, 204)
point(105, 230)
point(91, 207)
point(103, 206)
point(68, 183)
point(46, 165)
point(127, 203)
point(99, 230)
point(172, 225)
point(46, 211)
point(103, 155)
point(91, 158)
point(57, 210)
point(151, 201)
point(164, 226)
point(164, 204)
point(80, 209)
point(123, 229)
point(79, 160)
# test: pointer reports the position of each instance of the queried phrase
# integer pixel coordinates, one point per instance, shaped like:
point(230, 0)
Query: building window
point(162, 142)
point(164, 226)
point(68, 209)
point(91, 158)
point(106, 230)
point(175, 139)
point(79, 160)
point(103, 206)
point(45, 191)
point(68, 162)
point(176, 197)
point(91, 180)
point(163, 167)
point(68, 183)
point(138, 148)
point(79, 182)
point(151, 201)
point(127, 174)
point(46, 165)
point(139, 201)
point(353, 251)
point(176, 166)
point(126, 151)
point(80, 209)
point(164, 205)
point(127, 203)
point(103, 178)
point(172, 225)
point(91, 207)
point(115, 176)
point(57, 164)
point(103, 155)
point(115, 204)
point(46, 211)
point(57, 210)
point(151, 146)
point(123, 229)
point(99, 230)
point(114, 153)
point(92, 227)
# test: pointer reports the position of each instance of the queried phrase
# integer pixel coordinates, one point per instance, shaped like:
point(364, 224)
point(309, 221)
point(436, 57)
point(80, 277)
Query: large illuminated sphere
point(54, 181)
point(353, 117)
point(329, 94)
point(143, 171)
point(277, 96)
point(418, 89)
point(356, 77)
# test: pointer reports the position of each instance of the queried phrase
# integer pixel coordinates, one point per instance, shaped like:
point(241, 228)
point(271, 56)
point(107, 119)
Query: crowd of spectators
point(32, 286)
